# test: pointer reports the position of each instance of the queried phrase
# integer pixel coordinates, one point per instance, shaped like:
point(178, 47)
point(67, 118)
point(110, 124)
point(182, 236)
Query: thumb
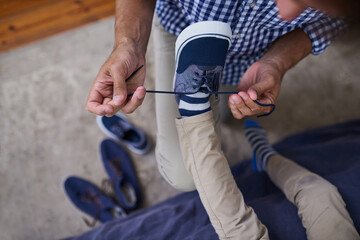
point(256, 90)
point(118, 74)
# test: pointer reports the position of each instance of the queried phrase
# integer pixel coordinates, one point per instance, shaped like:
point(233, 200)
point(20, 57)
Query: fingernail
point(107, 111)
point(234, 100)
point(243, 95)
point(118, 99)
point(140, 97)
point(253, 95)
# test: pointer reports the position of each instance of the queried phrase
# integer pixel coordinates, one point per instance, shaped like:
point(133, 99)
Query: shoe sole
point(202, 29)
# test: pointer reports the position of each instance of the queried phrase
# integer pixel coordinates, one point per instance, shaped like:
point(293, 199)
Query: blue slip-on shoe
point(91, 200)
point(200, 53)
point(119, 128)
point(122, 175)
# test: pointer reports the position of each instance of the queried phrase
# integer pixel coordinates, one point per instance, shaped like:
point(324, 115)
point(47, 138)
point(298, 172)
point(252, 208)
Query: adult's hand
point(260, 82)
point(109, 91)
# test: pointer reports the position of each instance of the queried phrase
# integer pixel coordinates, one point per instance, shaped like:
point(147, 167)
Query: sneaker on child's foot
point(200, 52)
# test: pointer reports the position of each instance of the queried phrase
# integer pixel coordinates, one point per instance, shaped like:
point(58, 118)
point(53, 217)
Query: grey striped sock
point(256, 136)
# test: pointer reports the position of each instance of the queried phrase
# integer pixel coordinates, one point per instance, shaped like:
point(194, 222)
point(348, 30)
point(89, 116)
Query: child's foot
point(201, 50)
point(194, 104)
point(256, 136)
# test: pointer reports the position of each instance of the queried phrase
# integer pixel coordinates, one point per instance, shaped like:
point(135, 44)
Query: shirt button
point(253, 4)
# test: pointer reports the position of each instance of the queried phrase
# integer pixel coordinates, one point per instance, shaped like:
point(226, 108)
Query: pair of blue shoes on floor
point(122, 176)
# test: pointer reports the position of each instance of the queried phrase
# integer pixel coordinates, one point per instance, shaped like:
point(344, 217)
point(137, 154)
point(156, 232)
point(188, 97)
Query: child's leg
point(222, 199)
point(320, 205)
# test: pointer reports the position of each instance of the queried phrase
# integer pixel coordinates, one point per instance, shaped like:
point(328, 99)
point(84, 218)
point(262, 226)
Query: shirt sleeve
point(323, 31)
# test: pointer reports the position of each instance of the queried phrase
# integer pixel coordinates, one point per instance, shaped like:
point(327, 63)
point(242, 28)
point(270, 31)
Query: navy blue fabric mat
point(332, 152)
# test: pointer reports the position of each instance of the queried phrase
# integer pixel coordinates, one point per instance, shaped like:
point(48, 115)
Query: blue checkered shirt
point(255, 25)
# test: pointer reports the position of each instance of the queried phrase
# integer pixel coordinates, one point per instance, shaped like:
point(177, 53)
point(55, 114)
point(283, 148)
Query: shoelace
point(128, 190)
point(91, 197)
point(210, 92)
point(204, 82)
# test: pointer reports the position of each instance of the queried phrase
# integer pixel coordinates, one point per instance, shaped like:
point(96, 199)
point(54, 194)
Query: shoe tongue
point(206, 68)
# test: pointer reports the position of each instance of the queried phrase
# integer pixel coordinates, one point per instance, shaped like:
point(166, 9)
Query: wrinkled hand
point(109, 91)
point(260, 82)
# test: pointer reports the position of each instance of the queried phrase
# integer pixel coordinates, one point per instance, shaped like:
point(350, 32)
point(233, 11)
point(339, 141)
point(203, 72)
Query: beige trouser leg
point(168, 155)
point(222, 199)
point(320, 205)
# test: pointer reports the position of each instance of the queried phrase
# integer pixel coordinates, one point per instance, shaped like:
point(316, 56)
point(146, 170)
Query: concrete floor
point(47, 135)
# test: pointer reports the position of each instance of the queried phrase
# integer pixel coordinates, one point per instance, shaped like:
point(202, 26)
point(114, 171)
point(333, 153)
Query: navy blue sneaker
point(122, 175)
point(119, 128)
point(200, 51)
point(91, 200)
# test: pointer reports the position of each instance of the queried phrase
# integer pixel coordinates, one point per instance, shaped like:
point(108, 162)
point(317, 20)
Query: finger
point(95, 104)
point(118, 74)
point(99, 109)
point(235, 112)
point(267, 101)
point(241, 105)
point(259, 88)
point(135, 101)
point(107, 100)
point(234, 102)
point(115, 108)
point(254, 108)
point(267, 98)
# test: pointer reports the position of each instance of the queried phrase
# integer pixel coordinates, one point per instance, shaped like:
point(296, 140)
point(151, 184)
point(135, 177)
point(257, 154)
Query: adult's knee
point(178, 181)
point(174, 173)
